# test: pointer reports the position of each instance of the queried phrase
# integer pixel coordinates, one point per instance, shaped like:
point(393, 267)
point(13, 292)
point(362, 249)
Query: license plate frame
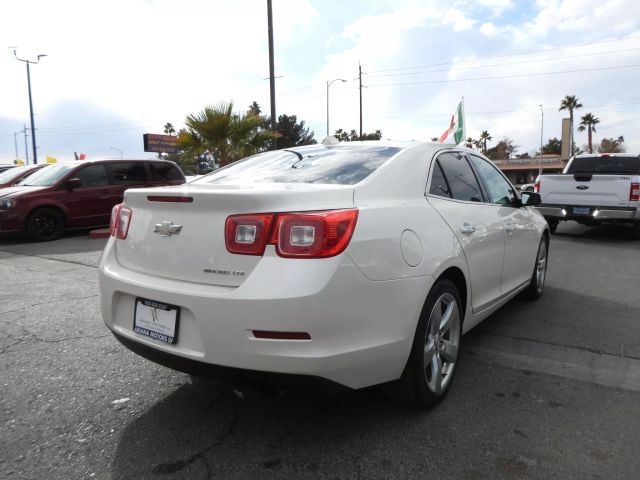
point(157, 320)
point(581, 210)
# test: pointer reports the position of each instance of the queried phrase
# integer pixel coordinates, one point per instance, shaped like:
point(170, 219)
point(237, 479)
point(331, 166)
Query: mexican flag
point(456, 125)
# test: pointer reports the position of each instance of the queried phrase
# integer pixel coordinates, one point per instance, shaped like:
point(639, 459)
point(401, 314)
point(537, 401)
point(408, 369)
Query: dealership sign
point(160, 143)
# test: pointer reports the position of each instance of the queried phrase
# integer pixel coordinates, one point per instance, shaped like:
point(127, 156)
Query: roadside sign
point(160, 143)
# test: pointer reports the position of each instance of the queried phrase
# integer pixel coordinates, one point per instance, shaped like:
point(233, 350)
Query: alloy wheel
point(442, 342)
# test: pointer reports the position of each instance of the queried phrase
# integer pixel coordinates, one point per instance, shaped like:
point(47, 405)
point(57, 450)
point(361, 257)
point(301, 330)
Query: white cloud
point(488, 29)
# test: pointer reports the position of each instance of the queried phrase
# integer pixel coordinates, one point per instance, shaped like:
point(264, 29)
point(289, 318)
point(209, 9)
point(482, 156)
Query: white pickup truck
point(593, 189)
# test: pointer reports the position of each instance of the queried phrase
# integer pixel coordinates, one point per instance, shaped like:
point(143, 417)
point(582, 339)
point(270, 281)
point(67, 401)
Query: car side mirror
point(530, 199)
point(73, 183)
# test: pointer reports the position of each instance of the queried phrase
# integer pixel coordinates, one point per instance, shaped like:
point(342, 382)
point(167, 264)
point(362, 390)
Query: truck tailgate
point(596, 190)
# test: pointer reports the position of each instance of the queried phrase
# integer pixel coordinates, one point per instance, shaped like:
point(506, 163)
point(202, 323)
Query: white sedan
point(346, 265)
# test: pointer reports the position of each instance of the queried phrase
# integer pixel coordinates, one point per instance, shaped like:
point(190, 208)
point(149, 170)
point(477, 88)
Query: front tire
point(432, 363)
point(536, 286)
point(45, 224)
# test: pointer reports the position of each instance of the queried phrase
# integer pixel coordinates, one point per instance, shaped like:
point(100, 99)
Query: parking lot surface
point(549, 389)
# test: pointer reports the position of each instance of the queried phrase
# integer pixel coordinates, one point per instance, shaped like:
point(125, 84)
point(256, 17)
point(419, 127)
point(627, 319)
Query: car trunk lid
point(198, 252)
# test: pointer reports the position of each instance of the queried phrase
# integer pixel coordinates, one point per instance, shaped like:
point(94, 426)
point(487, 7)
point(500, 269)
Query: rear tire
point(536, 286)
point(553, 225)
point(635, 231)
point(432, 363)
point(45, 224)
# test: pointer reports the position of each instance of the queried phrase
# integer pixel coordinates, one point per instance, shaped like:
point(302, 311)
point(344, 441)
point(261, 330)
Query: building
point(525, 170)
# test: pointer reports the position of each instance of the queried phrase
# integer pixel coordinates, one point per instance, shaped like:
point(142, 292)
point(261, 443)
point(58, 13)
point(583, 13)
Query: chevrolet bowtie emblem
point(166, 229)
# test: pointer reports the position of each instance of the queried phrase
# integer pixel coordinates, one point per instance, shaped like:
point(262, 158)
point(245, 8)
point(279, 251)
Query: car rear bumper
point(361, 330)
point(592, 213)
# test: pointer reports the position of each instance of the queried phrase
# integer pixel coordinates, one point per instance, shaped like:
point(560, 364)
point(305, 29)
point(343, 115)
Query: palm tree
point(570, 103)
point(224, 134)
point(169, 129)
point(588, 122)
point(485, 137)
point(469, 142)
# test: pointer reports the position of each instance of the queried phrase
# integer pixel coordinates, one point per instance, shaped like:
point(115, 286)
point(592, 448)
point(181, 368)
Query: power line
point(532, 52)
point(508, 63)
point(617, 67)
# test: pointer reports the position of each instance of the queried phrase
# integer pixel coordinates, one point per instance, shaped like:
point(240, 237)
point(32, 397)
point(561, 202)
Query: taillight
point(295, 235)
point(248, 234)
point(313, 234)
point(634, 192)
point(536, 187)
point(120, 221)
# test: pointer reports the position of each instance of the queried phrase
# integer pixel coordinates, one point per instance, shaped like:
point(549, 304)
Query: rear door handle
point(467, 229)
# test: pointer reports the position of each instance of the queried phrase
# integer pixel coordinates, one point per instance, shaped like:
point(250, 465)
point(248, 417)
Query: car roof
point(115, 160)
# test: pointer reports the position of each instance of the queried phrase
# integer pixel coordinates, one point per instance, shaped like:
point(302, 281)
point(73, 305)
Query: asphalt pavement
point(549, 389)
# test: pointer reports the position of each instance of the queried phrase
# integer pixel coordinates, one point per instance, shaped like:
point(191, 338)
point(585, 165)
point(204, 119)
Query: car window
point(164, 172)
point(439, 185)
point(339, 164)
point(47, 176)
point(128, 172)
point(460, 178)
point(498, 189)
point(93, 176)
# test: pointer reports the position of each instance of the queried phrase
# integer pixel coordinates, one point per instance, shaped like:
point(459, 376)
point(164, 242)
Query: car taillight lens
point(248, 234)
point(313, 234)
point(295, 235)
point(634, 192)
point(536, 187)
point(120, 221)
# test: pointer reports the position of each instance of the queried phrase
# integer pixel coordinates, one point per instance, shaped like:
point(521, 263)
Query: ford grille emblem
point(166, 229)
point(582, 187)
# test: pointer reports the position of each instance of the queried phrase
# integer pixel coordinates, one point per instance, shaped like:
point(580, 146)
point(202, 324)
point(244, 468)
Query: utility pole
point(328, 85)
point(541, 140)
point(26, 148)
point(33, 128)
point(272, 80)
point(15, 142)
point(360, 82)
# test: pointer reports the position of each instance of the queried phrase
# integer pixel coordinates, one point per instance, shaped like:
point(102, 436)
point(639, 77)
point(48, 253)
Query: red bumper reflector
point(173, 199)
point(281, 335)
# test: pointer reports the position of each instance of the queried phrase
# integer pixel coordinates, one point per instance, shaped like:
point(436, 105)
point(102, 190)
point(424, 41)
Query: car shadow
point(568, 318)
point(608, 233)
point(76, 241)
point(206, 427)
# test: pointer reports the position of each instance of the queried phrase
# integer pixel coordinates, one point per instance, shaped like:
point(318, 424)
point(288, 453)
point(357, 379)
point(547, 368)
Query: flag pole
point(464, 122)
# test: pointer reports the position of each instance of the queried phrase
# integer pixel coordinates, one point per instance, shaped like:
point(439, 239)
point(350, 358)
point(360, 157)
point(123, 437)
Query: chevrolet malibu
point(346, 265)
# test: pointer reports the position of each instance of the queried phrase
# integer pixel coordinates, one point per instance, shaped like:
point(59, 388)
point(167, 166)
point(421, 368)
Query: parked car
point(527, 187)
point(350, 265)
point(13, 175)
point(77, 195)
point(593, 189)
point(4, 168)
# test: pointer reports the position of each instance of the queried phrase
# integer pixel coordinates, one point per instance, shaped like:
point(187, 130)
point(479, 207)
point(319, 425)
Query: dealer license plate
point(581, 210)
point(156, 320)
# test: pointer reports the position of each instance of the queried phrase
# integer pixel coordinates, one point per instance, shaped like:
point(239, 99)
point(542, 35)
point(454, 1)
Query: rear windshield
point(603, 165)
point(344, 165)
point(47, 176)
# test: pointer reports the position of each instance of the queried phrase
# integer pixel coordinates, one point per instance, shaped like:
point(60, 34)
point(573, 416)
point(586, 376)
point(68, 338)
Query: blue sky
point(118, 69)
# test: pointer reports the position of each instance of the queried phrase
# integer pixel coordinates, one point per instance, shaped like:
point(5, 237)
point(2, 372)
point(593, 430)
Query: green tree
point(434, 139)
point(612, 145)
point(523, 155)
point(553, 146)
point(485, 137)
point(588, 122)
point(169, 129)
point(293, 133)
point(503, 150)
point(353, 136)
point(470, 143)
point(570, 103)
point(226, 135)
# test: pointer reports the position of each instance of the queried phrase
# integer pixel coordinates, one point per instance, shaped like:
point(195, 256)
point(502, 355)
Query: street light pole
point(541, 140)
point(328, 85)
point(117, 150)
point(33, 128)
